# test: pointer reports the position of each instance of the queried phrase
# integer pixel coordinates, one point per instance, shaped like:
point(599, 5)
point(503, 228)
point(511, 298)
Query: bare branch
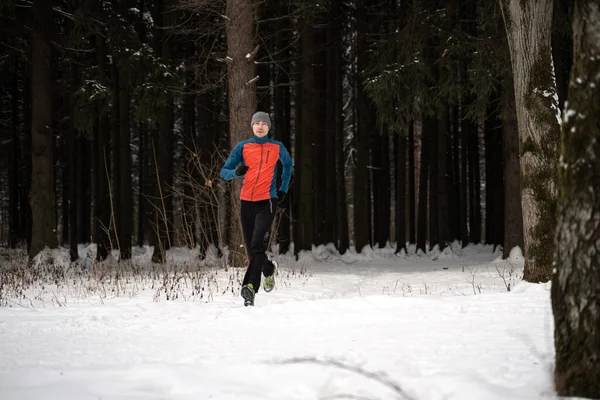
point(380, 377)
point(250, 56)
point(227, 60)
point(251, 81)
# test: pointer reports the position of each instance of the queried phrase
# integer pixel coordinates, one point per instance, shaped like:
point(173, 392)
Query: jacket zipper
point(259, 168)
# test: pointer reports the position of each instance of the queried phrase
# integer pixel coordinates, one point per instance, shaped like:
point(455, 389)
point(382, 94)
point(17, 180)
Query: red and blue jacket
point(261, 156)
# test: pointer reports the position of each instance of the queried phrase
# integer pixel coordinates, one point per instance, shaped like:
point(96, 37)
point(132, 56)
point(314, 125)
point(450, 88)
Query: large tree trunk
point(125, 195)
point(71, 145)
point(41, 195)
point(412, 212)
point(423, 184)
point(305, 131)
point(381, 187)
point(188, 125)
point(319, 142)
point(513, 214)
point(401, 195)
point(26, 222)
point(467, 127)
point(528, 26)
point(282, 110)
point(164, 150)
point(242, 99)
point(494, 166)
point(15, 235)
point(431, 124)
point(576, 283)
point(365, 126)
point(338, 131)
point(333, 114)
point(443, 180)
point(101, 157)
point(474, 184)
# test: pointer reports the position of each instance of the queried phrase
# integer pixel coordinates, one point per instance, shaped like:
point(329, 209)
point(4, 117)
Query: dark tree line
point(400, 116)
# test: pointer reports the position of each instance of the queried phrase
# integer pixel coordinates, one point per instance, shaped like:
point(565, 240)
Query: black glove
point(241, 170)
point(280, 195)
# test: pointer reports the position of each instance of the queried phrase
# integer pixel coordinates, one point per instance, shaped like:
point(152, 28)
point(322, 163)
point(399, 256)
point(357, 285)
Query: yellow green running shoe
point(269, 282)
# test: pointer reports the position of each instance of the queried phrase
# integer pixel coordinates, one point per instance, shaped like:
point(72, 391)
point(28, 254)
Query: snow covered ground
point(366, 326)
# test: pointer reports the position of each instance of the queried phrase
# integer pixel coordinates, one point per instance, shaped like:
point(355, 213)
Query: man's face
point(260, 129)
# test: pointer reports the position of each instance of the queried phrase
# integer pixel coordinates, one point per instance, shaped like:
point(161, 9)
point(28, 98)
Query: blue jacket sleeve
point(288, 165)
point(228, 170)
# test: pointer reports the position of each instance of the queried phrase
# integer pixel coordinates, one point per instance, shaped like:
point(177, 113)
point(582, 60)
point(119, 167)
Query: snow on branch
point(250, 56)
point(251, 81)
point(227, 60)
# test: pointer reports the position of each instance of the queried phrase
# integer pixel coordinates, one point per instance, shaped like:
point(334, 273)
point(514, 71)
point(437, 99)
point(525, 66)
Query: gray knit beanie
point(261, 116)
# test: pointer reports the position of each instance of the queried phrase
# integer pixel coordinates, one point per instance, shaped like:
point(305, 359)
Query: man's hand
point(241, 170)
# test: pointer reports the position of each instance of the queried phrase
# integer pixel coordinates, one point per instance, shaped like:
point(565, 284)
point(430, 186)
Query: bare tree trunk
point(424, 184)
point(242, 98)
point(319, 142)
point(305, 131)
point(125, 222)
point(41, 195)
point(443, 178)
point(333, 69)
point(513, 215)
point(15, 234)
point(401, 195)
point(412, 212)
point(431, 124)
point(189, 142)
point(494, 167)
point(365, 124)
point(26, 222)
point(282, 108)
point(165, 146)
point(528, 26)
point(381, 187)
point(340, 206)
point(101, 158)
point(576, 283)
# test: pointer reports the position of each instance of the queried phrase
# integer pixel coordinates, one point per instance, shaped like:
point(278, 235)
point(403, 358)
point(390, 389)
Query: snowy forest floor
point(360, 326)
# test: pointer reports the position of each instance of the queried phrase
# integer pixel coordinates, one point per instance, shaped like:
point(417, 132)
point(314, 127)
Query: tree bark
point(41, 195)
point(14, 232)
point(242, 99)
point(401, 195)
point(443, 179)
point(305, 131)
point(282, 107)
point(576, 283)
point(494, 182)
point(381, 187)
point(474, 184)
point(125, 194)
point(319, 142)
point(101, 157)
point(365, 126)
point(432, 125)
point(423, 186)
point(412, 236)
point(338, 116)
point(513, 215)
point(528, 27)
point(333, 93)
point(188, 125)
point(165, 146)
